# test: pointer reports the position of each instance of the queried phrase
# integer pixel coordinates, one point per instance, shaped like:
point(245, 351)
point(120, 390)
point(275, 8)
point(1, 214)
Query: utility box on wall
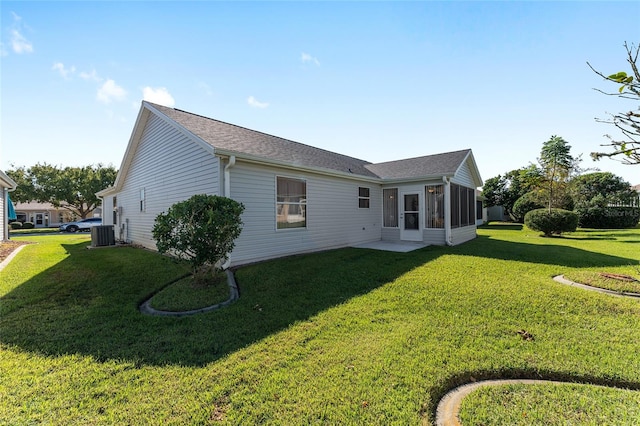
point(102, 235)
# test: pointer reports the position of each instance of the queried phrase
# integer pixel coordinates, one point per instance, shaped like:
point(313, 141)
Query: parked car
point(81, 225)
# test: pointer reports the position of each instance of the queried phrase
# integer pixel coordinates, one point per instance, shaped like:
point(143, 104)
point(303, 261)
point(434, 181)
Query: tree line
point(70, 188)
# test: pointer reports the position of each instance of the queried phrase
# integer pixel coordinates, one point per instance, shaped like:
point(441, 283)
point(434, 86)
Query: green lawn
point(349, 336)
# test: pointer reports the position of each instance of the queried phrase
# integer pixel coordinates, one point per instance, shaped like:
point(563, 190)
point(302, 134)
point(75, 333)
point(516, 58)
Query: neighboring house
point(297, 198)
point(42, 215)
point(46, 215)
point(6, 184)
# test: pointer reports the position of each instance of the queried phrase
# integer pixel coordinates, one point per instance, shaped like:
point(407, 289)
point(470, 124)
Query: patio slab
point(399, 247)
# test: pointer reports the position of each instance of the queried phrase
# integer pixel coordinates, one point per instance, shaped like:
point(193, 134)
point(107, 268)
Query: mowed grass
point(349, 336)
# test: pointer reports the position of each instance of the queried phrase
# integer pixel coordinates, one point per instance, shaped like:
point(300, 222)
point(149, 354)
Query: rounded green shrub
point(200, 230)
point(27, 225)
point(16, 225)
point(549, 222)
point(523, 205)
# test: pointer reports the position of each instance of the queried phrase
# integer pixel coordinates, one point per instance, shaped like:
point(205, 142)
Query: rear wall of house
point(167, 167)
point(334, 218)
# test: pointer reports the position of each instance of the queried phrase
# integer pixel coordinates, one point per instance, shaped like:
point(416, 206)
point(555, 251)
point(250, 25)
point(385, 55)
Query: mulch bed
point(7, 247)
point(619, 277)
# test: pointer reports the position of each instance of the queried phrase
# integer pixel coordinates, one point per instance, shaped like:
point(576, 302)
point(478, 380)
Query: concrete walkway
point(398, 247)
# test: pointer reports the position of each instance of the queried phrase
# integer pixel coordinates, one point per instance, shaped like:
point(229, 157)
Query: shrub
point(200, 230)
point(15, 225)
point(27, 225)
point(523, 205)
point(602, 217)
point(551, 222)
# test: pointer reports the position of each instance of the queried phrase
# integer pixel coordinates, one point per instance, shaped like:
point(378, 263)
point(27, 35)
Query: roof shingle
point(230, 137)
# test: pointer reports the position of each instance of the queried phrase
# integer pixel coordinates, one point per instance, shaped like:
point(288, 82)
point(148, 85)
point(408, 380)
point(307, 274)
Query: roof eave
point(286, 165)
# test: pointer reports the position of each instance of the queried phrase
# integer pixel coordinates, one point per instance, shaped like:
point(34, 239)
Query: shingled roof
point(445, 164)
point(230, 137)
point(240, 140)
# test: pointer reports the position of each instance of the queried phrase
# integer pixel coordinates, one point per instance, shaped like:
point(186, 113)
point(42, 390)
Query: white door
point(410, 229)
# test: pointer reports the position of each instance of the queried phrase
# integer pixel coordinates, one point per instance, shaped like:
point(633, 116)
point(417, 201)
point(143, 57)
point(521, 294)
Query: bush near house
point(551, 221)
point(200, 230)
point(27, 225)
point(16, 225)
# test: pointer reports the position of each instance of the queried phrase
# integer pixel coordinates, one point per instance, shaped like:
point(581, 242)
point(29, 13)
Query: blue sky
point(375, 80)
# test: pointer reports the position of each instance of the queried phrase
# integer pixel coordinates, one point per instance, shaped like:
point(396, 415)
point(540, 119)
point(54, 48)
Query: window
point(463, 206)
point(115, 210)
point(291, 203)
point(142, 200)
point(434, 206)
point(363, 198)
point(390, 207)
point(479, 210)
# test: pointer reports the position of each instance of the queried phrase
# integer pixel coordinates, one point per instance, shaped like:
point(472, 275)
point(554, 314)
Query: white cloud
point(110, 91)
point(158, 95)
point(255, 103)
point(90, 76)
point(308, 58)
point(19, 43)
point(64, 72)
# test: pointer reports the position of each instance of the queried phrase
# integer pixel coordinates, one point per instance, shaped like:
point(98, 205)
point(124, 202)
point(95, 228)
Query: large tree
point(506, 190)
point(558, 167)
point(627, 149)
point(71, 188)
point(601, 189)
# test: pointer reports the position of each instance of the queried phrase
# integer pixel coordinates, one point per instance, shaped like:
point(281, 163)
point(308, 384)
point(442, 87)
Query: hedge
point(608, 217)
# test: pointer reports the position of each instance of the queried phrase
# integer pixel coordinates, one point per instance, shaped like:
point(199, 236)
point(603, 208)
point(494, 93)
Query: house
point(6, 184)
point(297, 198)
point(43, 215)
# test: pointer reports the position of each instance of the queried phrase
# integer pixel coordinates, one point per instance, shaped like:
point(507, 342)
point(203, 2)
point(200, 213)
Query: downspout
point(447, 211)
point(5, 215)
point(227, 193)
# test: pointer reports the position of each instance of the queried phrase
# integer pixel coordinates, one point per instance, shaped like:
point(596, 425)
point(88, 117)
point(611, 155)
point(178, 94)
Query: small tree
point(558, 166)
point(200, 230)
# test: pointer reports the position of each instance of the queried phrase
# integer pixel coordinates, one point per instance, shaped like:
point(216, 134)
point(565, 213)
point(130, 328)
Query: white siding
point(434, 237)
point(170, 168)
point(461, 235)
point(464, 176)
point(333, 217)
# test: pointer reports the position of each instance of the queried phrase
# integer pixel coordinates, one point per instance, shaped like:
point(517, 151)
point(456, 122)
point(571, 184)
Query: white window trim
point(276, 203)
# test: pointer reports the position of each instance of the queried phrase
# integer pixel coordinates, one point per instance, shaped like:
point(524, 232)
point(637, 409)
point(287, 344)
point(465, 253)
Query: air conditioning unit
point(102, 235)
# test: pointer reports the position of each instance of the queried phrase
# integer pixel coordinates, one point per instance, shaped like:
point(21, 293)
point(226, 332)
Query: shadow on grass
point(88, 303)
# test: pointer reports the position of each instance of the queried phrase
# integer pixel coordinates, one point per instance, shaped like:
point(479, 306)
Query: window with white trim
point(291, 203)
point(463, 206)
point(364, 197)
point(390, 208)
point(434, 206)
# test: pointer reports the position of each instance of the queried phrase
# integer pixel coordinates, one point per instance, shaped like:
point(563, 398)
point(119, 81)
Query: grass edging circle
point(449, 406)
point(561, 279)
point(146, 308)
